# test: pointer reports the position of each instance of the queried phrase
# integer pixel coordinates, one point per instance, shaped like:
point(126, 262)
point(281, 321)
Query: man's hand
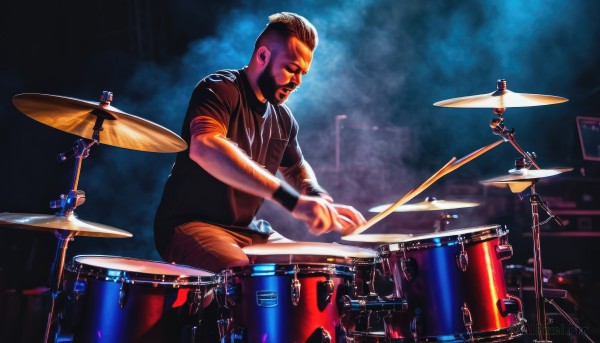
point(321, 216)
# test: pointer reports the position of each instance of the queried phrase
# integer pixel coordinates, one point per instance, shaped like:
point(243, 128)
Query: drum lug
point(415, 325)
point(509, 305)
point(503, 250)
point(320, 335)
point(462, 259)
point(295, 287)
point(123, 294)
point(325, 290)
point(224, 326)
point(341, 336)
point(468, 321)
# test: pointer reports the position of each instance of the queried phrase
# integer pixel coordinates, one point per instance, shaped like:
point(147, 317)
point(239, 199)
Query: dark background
point(380, 63)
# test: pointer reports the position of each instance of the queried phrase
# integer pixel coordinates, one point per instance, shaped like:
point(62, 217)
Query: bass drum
point(120, 299)
point(454, 285)
point(292, 292)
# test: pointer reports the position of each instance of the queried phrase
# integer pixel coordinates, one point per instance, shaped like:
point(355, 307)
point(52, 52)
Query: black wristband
point(286, 196)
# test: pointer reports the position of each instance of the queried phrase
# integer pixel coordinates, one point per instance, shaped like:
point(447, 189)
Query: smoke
point(380, 63)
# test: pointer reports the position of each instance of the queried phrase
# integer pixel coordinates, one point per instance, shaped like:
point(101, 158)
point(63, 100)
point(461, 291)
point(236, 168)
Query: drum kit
point(443, 286)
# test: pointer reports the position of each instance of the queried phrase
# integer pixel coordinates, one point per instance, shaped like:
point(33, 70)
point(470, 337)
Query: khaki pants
point(210, 247)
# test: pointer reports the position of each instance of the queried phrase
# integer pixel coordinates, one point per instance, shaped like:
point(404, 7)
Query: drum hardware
point(462, 259)
point(416, 325)
point(373, 304)
point(295, 287)
point(325, 290)
point(468, 321)
point(504, 251)
point(123, 294)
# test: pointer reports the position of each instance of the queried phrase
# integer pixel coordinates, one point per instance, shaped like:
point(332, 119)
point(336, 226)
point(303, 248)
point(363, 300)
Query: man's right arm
point(216, 154)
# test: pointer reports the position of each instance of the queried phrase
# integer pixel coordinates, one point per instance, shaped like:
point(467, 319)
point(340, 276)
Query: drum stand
point(67, 204)
point(524, 163)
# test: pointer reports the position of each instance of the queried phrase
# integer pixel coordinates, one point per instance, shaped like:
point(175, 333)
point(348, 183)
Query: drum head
point(132, 270)
point(306, 252)
point(450, 237)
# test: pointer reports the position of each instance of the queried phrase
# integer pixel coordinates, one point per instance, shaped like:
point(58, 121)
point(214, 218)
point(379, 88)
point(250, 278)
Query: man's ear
point(263, 55)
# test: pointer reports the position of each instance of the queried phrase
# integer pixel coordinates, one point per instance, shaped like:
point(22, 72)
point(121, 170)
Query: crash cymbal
point(430, 204)
point(378, 237)
point(501, 98)
point(523, 175)
point(41, 222)
point(79, 117)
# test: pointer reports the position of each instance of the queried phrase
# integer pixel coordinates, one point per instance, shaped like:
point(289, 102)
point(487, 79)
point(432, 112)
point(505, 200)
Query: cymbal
point(378, 237)
point(430, 204)
point(501, 98)
point(525, 175)
point(79, 117)
point(41, 222)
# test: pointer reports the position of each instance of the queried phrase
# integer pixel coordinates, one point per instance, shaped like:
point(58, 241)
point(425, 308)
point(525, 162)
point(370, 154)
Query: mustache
point(291, 86)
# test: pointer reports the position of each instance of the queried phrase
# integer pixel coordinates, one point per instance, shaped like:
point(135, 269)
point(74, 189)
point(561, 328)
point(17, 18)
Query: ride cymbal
point(79, 118)
point(501, 98)
point(41, 222)
point(430, 204)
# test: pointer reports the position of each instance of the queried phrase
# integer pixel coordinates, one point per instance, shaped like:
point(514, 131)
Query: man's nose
point(297, 79)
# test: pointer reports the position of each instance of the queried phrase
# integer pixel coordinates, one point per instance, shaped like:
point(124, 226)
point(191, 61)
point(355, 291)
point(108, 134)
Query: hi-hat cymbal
point(79, 117)
point(501, 98)
point(41, 222)
point(378, 237)
point(430, 204)
point(523, 175)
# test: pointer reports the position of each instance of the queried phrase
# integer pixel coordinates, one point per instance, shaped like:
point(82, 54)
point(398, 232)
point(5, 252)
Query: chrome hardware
point(223, 326)
point(462, 258)
point(325, 290)
point(504, 250)
point(123, 293)
point(295, 287)
point(468, 321)
point(416, 324)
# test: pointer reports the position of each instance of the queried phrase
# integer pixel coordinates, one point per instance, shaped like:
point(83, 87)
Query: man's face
point(284, 71)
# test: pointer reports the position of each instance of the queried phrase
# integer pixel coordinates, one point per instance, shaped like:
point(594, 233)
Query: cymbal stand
point(67, 204)
point(536, 203)
point(499, 129)
point(528, 160)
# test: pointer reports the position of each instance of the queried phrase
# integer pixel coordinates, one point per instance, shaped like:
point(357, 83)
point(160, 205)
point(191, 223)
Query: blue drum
point(119, 299)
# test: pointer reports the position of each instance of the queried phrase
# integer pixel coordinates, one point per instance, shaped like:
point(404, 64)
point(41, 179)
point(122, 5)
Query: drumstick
point(451, 166)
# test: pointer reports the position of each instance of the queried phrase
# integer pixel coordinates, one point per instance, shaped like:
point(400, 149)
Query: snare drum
point(454, 285)
point(291, 292)
point(119, 299)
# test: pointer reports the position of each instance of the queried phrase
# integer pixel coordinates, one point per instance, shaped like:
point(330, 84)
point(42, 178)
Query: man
point(239, 134)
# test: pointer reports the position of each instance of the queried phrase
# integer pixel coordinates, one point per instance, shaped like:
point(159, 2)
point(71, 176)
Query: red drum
point(454, 285)
point(292, 292)
point(119, 299)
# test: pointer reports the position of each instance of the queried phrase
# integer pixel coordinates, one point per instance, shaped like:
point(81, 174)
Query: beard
point(269, 87)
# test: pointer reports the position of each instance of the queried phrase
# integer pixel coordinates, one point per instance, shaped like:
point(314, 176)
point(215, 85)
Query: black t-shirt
point(267, 133)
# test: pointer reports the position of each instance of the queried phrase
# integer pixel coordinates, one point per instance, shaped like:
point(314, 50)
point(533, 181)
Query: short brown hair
point(288, 24)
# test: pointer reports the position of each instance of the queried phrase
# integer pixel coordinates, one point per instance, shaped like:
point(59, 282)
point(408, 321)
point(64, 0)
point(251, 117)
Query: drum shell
point(101, 309)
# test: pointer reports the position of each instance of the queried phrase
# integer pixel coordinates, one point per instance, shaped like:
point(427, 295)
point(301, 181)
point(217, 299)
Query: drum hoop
point(129, 277)
point(305, 259)
point(306, 269)
point(469, 238)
